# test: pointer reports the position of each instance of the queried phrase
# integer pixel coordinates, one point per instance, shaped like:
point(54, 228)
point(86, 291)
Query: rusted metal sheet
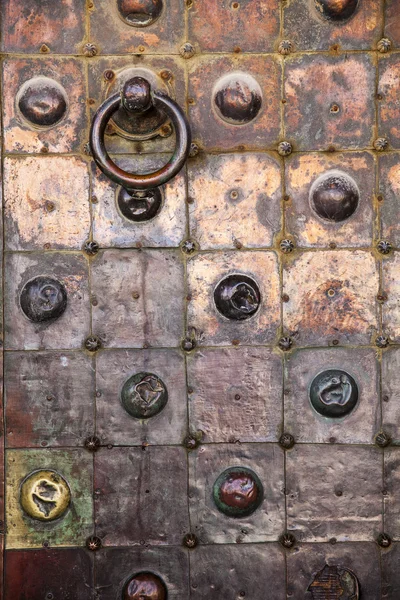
point(388, 110)
point(389, 178)
point(391, 393)
point(391, 284)
point(391, 483)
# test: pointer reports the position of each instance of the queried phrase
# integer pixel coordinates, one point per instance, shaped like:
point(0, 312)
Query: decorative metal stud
point(193, 440)
point(334, 583)
point(90, 49)
point(285, 47)
point(187, 50)
point(190, 540)
point(286, 441)
point(285, 343)
point(334, 196)
point(91, 247)
point(237, 297)
point(194, 150)
point(188, 344)
point(188, 247)
point(384, 45)
point(286, 246)
point(144, 395)
point(382, 341)
point(139, 205)
point(238, 492)
point(384, 540)
point(93, 343)
point(43, 299)
point(145, 585)
point(45, 495)
point(333, 393)
point(42, 101)
point(384, 247)
point(287, 540)
point(336, 10)
point(285, 148)
point(93, 543)
point(92, 443)
point(237, 98)
point(381, 144)
point(139, 13)
point(383, 439)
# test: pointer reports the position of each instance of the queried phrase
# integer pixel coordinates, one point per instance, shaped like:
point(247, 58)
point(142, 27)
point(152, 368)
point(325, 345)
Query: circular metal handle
point(137, 97)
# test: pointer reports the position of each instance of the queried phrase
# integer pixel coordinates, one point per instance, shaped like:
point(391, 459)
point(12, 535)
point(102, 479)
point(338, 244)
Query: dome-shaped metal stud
point(144, 395)
point(45, 495)
point(238, 492)
point(334, 196)
point(384, 247)
point(287, 540)
point(139, 205)
point(139, 13)
point(237, 297)
point(43, 299)
point(93, 543)
point(384, 540)
point(383, 439)
point(42, 101)
point(237, 98)
point(336, 10)
point(145, 585)
point(384, 45)
point(333, 393)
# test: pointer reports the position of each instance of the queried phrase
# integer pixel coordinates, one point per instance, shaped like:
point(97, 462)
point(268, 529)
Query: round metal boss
point(237, 297)
point(237, 98)
point(144, 395)
point(145, 585)
point(45, 495)
point(334, 196)
point(336, 10)
point(139, 205)
point(139, 13)
point(333, 393)
point(238, 492)
point(43, 298)
point(42, 101)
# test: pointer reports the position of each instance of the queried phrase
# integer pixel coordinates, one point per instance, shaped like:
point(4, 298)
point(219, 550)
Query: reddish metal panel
point(391, 392)
point(388, 108)
point(389, 188)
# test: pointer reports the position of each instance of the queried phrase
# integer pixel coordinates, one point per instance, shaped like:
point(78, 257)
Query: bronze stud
point(144, 395)
point(187, 50)
point(188, 344)
point(285, 343)
point(384, 247)
point(285, 47)
point(190, 540)
point(189, 247)
point(286, 441)
point(285, 148)
point(43, 299)
point(382, 341)
point(336, 10)
point(382, 439)
point(286, 246)
point(90, 49)
point(145, 586)
point(193, 440)
point(238, 492)
point(45, 495)
point(139, 205)
point(194, 150)
point(93, 343)
point(237, 98)
point(91, 247)
point(287, 540)
point(93, 543)
point(381, 144)
point(42, 101)
point(237, 297)
point(384, 540)
point(92, 443)
point(140, 13)
point(384, 45)
point(334, 196)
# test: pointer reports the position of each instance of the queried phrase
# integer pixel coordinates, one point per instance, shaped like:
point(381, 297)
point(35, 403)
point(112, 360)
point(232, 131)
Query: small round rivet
point(108, 74)
point(49, 206)
point(139, 205)
point(384, 247)
point(237, 98)
point(382, 439)
point(286, 246)
point(384, 540)
point(336, 10)
point(190, 540)
point(91, 247)
point(286, 441)
point(238, 492)
point(43, 299)
point(285, 47)
point(144, 395)
point(92, 343)
point(188, 344)
point(194, 150)
point(92, 443)
point(333, 393)
point(145, 586)
point(139, 13)
point(188, 246)
point(237, 297)
point(187, 50)
point(381, 144)
point(334, 108)
point(93, 543)
point(193, 440)
point(334, 196)
point(42, 101)
point(45, 495)
point(285, 148)
point(382, 341)
point(285, 343)
point(287, 540)
point(44, 48)
point(90, 49)
point(384, 45)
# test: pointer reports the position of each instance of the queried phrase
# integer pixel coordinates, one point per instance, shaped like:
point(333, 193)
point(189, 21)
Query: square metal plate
point(391, 393)
point(72, 529)
point(114, 424)
point(336, 88)
point(232, 572)
point(155, 318)
point(305, 423)
point(392, 23)
point(111, 228)
point(389, 107)
point(267, 523)
point(49, 398)
point(205, 271)
point(389, 188)
point(391, 285)
point(69, 329)
point(234, 200)
point(114, 567)
point(211, 131)
point(334, 492)
point(69, 133)
point(236, 394)
point(50, 208)
point(391, 485)
point(141, 496)
point(332, 296)
point(390, 572)
point(248, 25)
point(302, 221)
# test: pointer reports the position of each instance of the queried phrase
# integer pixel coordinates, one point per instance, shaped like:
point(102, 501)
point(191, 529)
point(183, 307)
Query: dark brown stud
point(333, 393)
point(334, 582)
point(93, 343)
point(194, 150)
point(237, 297)
point(136, 95)
point(188, 344)
point(238, 492)
point(144, 395)
point(193, 440)
point(190, 540)
point(237, 98)
point(285, 47)
point(286, 246)
point(187, 50)
point(382, 341)
point(334, 196)
point(384, 247)
point(42, 101)
point(285, 148)
point(139, 13)
point(286, 441)
point(92, 443)
point(381, 144)
point(336, 10)
point(287, 540)
point(188, 246)
point(91, 247)
point(384, 45)
point(93, 543)
point(145, 586)
point(285, 343)
point(43, 299)
point(139, 205)
point(383, 439)
point(90, 49)
point(384, 540)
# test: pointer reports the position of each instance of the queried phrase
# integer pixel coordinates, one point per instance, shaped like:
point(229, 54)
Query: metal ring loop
point(130, 181)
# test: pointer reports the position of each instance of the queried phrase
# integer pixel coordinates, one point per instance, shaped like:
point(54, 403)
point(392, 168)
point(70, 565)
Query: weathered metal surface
point(391, 284)
point(388, 110)
point(389, 180)
point(391, 393)
point(390, 574)
point(334, 492)
point(391, 483)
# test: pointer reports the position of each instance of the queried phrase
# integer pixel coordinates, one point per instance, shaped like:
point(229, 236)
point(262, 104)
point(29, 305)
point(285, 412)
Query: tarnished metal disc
point(238, 492)
point(334, 196)
point(45, 495)
point(144, 395)
point(335, 583)
point(43, 298)
point(145, 586)
point(42, 101)
point(333, 393)
point(336, 10)
point(237, 297)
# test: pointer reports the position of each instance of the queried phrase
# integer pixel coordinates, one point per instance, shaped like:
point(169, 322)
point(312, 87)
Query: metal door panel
point(389, 178)
point(388, 99)
point(390, 392)
point(391, 285)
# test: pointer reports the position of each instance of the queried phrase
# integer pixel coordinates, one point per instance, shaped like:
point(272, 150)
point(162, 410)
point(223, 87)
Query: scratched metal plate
point(390, 572)
point(267, 523)
point(115, 566)
point(391, 284)
point(146, 491)
point(388, 113)
point(72, 529)
point(392, 23)
point(391, 485)
point(234, 200)
point(114, 424)
point(391, 393)
point(389, 177)
point(334, 492)
point(68, 574)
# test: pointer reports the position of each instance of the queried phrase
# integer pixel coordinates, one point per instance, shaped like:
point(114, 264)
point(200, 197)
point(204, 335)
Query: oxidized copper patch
point(334, 196)
point(139, 205)
point(333, 393)
point(42, 101)
point(140, 13)
point(144, 395)
point(145, 586)
point(237, 98)
point(335, 583)
point(43, 299)
point(238, 492)
point(237, 297)
point(336, 10)
point(45, 495)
